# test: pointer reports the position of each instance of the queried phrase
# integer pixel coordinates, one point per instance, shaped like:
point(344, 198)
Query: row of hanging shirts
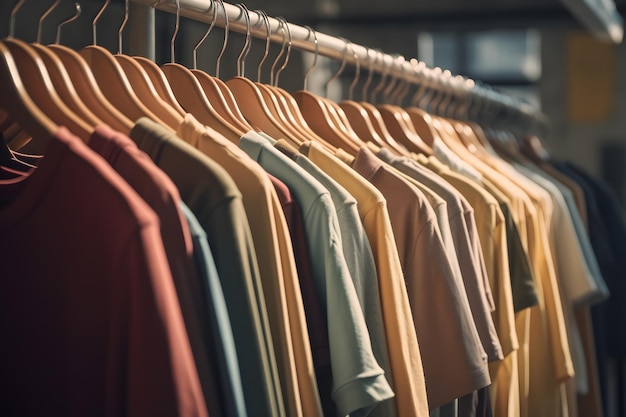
point(44, 87)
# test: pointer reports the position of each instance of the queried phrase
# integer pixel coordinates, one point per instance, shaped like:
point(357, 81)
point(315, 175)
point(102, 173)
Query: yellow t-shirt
point(549, 362)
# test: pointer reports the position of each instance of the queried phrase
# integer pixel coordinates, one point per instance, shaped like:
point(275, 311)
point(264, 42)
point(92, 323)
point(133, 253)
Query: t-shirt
point(358, 381)
point(156, 189)
point(231, 388)
point(276, 270)
point(89, 314)
point(404, 351)
point(496, 245)
point(549, 358)
point(471, 263)
point(572, 271)
point(215, 200)
point(360, 262)
point(434, 290)
point(315, 317)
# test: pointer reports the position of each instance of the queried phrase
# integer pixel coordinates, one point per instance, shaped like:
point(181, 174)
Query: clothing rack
point(495, 108)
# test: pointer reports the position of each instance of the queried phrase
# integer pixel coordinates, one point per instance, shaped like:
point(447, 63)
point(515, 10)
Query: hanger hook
point(282, 50)
point(268, 32)
point(241, 59)
point(310, 70)
point(121, 29)
point(194, 52)
point(370, 75)
point(288, 53)
point(448, 93)
point(175, 34)
point(394, 79)
point(418, 67)
point(43, 16)
point(405, 85)
point(383, 78)
point(340, 70)
point(394, 95)
point(401, 92)
point(435, 93)
point(357, 73)
point(226, 29)
point(443, 93)
point(432, 77)
point(463, 110)
point(14, 10)
point(95, 20)
point(66, 21)
point(455, 105)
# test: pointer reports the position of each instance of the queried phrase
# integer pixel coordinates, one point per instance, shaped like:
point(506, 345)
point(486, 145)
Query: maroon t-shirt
point(89, 317)
point(158, 190)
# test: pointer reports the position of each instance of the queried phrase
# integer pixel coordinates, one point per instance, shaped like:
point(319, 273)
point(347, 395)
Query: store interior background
point(534, 49)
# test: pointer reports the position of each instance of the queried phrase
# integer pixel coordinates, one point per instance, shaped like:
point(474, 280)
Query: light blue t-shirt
point(224, 343)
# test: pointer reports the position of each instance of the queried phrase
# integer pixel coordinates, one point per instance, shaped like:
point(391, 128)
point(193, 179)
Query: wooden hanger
point(15, 99)
point(357, 115)
point(376, 118)
point(145, 90)
point(322, 116)
point(221, 98)
point(142, 83)
point(64, 85)
point(40, 88)
point(88, 89)
point(284, 103)
point(86, 85)
point(191, 96)
point(398, 120)
point(258, 110)
point(114, 82)
point(154, 73)
point(60, 78)
point(214, 94)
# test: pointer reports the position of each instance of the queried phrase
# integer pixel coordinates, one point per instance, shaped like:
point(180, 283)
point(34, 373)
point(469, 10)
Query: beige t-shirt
point(433, 287)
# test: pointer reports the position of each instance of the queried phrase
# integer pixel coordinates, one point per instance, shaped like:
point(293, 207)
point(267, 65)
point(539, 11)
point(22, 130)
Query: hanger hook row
point(69, 20)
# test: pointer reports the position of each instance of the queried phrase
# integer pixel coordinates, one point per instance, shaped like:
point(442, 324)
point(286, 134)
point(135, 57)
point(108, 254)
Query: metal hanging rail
point(333, 47)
